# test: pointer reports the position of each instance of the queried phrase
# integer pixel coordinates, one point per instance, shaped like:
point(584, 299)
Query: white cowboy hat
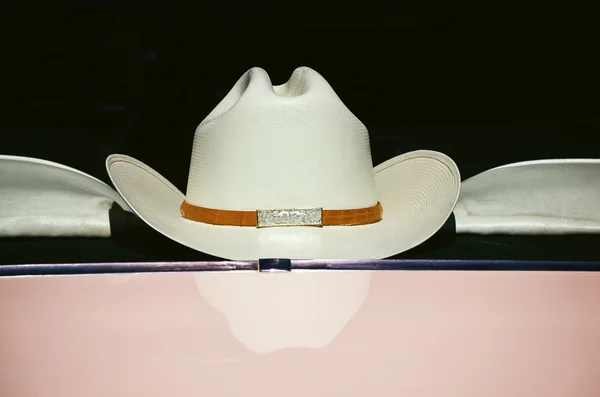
point(291, 155)
point(40, 198)
point(539, 197)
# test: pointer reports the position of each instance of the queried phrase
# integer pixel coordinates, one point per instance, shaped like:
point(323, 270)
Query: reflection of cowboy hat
point(291, 155)
point(41, 198)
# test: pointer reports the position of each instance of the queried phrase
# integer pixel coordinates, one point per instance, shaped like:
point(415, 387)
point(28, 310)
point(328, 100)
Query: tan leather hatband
point(283, 217)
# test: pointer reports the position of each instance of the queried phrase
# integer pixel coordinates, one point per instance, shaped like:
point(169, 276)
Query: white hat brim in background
point(40, 198)
point(418, 192)
point(539, 197)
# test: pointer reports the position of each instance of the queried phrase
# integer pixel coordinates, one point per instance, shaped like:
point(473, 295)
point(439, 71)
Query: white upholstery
point(39, 198)
point(559, 196)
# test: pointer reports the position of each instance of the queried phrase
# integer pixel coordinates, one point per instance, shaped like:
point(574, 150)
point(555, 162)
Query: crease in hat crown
point(294, 145)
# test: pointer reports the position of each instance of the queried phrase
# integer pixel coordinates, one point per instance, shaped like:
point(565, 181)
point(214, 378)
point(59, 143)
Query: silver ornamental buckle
point(289, 217)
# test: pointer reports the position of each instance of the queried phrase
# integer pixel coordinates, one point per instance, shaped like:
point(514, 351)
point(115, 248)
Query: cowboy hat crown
point(294, 145)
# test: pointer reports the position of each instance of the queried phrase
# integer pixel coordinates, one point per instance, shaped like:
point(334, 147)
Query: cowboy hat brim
point(418, 191)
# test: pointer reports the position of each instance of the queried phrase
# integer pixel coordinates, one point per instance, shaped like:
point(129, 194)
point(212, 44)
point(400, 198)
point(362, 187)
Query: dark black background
point(486, 84)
